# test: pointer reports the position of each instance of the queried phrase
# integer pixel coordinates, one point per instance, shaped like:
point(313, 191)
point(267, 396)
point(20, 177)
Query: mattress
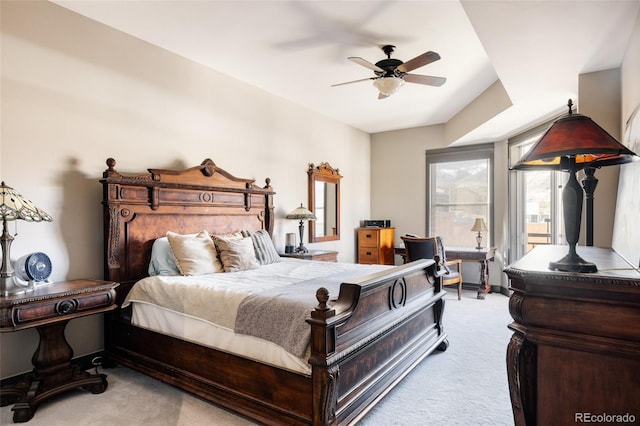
point(202, 309)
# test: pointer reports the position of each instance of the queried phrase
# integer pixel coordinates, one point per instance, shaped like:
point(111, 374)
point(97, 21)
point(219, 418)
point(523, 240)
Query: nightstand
point(49, 309)
point(324, 255)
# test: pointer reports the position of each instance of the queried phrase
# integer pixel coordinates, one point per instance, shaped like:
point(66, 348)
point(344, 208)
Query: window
point(459, 190)
point(535, 215)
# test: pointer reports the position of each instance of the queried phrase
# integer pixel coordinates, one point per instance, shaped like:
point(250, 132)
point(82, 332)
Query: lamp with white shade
point(301, 214)
point(14, 206)
point(479, 226)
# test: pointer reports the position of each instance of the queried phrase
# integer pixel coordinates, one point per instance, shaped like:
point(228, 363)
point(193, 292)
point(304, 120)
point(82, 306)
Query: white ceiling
point(298, 49)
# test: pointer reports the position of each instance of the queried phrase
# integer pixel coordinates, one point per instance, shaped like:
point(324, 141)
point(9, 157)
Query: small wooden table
point(482, 255)
point(49, 309)
point(324, 255)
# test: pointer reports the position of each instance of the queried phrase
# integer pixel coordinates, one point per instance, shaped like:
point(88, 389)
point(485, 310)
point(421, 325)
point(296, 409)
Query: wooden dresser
point(574, 356)
point(375, 246)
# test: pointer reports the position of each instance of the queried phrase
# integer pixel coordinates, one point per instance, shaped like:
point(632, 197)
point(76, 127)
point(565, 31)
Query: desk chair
point(454, 276)
point(432, 248)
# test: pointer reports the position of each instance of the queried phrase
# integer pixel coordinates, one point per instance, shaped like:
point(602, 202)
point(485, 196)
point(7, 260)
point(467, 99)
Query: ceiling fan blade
point(419, 61)
point(365, 63)
point(354, 81)
point(425, 79)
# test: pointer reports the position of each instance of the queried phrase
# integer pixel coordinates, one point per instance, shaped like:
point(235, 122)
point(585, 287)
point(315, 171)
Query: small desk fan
point(34, 268)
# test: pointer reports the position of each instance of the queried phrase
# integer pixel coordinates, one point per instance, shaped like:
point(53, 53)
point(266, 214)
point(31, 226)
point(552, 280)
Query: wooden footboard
point(379, 328)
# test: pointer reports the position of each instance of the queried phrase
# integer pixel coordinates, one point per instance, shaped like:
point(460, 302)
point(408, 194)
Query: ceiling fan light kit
point(391, 74)
point(388, 85)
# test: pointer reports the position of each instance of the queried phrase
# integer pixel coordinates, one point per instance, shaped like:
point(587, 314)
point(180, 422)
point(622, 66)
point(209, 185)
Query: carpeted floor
point(466, 385)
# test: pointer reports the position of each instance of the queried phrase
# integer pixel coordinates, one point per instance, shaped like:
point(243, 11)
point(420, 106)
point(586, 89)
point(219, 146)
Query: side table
point(49, 309)
point(324, 255)
point(483, 256)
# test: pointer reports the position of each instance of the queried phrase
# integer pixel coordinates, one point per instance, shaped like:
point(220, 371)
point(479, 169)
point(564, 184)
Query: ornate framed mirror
point(324, 202)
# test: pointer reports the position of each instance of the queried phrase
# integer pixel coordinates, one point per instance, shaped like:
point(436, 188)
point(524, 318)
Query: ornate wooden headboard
point(140, 208)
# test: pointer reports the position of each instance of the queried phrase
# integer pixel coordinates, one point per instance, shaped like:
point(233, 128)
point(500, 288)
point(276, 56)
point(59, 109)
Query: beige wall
point(75, 92)
point(626, 237)
point(599, 98)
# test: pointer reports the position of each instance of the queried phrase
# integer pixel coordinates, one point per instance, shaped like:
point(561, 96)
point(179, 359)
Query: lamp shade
point(14, 206)
point(479, 225)
point(578, 137)
point(388, 85)
point(301, 213)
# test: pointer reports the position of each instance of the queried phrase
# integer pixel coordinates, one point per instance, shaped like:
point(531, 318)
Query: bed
point(363, 340)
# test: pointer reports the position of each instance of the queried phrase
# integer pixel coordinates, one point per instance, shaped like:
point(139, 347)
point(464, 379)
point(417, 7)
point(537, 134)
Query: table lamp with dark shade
point(12, 207)
point(302, 214)
point(572, 143)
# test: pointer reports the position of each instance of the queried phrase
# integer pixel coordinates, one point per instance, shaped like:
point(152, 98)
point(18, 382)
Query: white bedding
point(206, 314)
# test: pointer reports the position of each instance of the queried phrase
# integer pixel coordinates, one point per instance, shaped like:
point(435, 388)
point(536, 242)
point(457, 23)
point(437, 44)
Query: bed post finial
point(323, 310)
point(111, 171)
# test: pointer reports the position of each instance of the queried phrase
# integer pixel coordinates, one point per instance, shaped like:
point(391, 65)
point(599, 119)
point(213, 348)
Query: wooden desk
point(483, 256)
point(49, 309)
point(575, 349)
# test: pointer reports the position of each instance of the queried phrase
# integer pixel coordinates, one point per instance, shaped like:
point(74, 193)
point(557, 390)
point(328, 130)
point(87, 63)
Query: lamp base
point(10, 286)
point(301, 249)
point(573, 263)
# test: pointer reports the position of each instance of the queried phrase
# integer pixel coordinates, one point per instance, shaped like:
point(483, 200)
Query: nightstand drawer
point(48, 309)
point(368, 237)
point(56, 302)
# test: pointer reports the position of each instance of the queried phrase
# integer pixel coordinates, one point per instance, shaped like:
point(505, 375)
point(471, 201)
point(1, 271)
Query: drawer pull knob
point(368, 253)
point(66, 307)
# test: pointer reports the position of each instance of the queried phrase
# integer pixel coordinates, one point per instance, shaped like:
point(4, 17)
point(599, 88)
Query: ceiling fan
point(392, 73)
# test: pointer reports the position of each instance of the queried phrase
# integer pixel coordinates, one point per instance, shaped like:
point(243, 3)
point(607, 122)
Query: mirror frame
point(323, 173)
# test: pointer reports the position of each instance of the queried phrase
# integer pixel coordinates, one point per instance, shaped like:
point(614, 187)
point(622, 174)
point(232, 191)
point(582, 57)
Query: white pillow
point(237, 254)
point(162, 260)
point(194, 254)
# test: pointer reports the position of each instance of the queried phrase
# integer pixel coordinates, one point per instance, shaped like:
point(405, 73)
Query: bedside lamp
point(302, 214)
point(572, 143)
point(479, 226)
point(12, 207)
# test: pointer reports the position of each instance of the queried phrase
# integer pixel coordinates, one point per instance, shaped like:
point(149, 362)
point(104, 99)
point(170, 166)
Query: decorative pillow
point(162, 260)
point(263, 246)
point(237, 254)
point(230, 236)
point(194, 254)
